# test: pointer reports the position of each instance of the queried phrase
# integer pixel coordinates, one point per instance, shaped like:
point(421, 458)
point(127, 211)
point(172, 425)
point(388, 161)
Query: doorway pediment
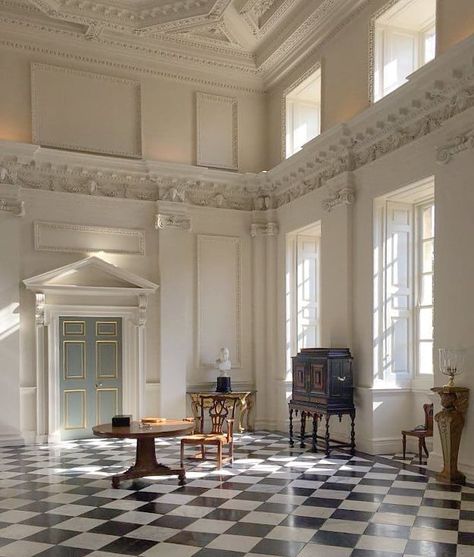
point(91, 275)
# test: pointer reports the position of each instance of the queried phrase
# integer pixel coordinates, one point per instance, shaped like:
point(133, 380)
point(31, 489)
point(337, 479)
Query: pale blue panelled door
point(91, 373)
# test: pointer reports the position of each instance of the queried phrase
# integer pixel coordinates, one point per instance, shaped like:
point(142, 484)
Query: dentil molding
point(461, 143)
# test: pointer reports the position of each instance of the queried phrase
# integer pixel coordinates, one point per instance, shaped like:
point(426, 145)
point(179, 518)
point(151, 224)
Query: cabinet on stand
point(322, 387)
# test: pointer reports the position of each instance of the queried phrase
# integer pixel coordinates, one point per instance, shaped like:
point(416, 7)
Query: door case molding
point(133, 358)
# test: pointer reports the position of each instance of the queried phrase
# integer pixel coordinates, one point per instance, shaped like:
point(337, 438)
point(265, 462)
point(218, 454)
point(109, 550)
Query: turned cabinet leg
point(404, 443)
point(315, 432)
point(327, 435)
point(303, 429)
point(425, 448)
point(420, 450)
point(353, 437)
point(292, 444)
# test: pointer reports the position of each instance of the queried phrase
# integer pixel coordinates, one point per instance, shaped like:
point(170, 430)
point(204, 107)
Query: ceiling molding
point(192, 34)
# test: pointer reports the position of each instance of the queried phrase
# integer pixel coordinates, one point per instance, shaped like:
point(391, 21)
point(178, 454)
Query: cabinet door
point(300, 390)
point(341, 378)
point(317, 378)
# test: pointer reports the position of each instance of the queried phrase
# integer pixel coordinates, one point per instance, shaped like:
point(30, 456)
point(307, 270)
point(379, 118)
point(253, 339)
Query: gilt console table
point(245, 403)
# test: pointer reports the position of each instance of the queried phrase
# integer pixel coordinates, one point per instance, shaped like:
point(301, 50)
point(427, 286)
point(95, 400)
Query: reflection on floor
point(57, 501)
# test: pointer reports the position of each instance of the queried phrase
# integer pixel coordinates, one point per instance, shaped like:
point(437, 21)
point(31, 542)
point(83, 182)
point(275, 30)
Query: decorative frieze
point(263, 229)
point(460, 143)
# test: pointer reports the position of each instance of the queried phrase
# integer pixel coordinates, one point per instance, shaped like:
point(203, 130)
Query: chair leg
point(420, 452)
point(182, 455)
point(219, 456)
point(404, 442)
point(231, 451)
point(425, 448)
point(203, 451)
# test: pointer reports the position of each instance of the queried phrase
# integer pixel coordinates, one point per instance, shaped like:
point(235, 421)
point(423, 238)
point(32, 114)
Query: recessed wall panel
point(219, 299)
point(85, 111)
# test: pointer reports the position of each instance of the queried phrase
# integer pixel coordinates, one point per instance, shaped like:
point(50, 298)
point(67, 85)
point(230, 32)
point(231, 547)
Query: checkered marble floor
point(57, 501)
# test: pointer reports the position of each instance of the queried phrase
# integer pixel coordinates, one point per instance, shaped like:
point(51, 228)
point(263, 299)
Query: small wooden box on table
point(322, 387)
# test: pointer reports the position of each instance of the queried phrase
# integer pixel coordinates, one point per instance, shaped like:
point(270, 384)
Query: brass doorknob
point(98, 385)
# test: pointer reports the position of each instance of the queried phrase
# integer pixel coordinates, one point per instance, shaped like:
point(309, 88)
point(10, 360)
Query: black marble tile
point(430, 549)
point(438, 523)
point(128, 546)
point(199, 539)
point(114, 528)
point(466, 538)
point(346, 514)
point(51, 535)
point(249, 529)
point(173, 521)
point(226, 514)
point(387, 530)
point(295, 521)
point(278, 547)
point(339, 539)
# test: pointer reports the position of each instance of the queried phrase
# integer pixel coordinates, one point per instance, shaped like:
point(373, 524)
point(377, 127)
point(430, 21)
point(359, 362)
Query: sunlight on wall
point(9, 320)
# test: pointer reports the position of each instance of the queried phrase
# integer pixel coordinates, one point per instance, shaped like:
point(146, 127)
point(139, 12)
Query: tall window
point(303, 113)
point(405, 40)
point(403, 286)
point(302, 289)
point(424, 287)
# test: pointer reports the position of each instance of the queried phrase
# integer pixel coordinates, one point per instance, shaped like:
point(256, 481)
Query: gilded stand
point(454, 401)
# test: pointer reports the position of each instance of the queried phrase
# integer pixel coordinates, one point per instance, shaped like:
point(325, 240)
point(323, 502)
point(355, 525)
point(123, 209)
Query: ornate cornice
point(264, 229)
point(461, 143)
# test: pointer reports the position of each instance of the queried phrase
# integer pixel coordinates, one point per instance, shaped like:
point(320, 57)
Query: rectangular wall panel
point(219, 299)
point(217, 131)
point(58, 236)
point(73, 110)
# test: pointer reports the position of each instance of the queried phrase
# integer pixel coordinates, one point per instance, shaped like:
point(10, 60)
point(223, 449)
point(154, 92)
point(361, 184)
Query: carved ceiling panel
point(252, 37)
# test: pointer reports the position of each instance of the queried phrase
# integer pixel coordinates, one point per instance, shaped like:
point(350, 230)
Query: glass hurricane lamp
point(451, 363)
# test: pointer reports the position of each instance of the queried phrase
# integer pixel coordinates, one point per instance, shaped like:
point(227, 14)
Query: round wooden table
point(145, 462)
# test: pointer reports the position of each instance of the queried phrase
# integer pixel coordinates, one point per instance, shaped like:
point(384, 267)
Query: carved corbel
point(142, 307)
point(164, 221)
point(10, 201)
point(40, 301)
point(268, 229)
point(461, 143)
point(344, 196)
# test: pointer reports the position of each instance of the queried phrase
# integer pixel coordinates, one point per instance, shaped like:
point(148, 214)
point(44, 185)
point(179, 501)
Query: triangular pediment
point(91, 275)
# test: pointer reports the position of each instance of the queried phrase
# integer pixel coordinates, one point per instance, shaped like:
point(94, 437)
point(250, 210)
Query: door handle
point(342, 379)
point(98, 385)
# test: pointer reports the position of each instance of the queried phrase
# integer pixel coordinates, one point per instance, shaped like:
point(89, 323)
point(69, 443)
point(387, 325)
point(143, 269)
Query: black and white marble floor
point(57, 501)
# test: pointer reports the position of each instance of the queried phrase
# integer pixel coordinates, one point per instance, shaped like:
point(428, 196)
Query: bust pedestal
point(454, 401)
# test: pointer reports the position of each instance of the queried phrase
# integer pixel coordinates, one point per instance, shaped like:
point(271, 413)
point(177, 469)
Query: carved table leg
point(147, 465)
point(353, 443)
point(303, 429)
point(243, 412)
point(328, 450)
point(315, 432)
point(292, 443)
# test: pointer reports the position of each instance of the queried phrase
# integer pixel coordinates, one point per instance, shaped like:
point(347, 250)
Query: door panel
point(91, 373)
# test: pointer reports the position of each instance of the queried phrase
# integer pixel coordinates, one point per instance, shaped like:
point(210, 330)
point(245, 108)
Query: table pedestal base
point(147, 465)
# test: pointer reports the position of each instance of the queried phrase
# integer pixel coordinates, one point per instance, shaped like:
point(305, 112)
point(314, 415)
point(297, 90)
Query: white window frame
point(415, 200)
point(419, 241)
point(292, 303)
point(284, 116)
point(377, 35)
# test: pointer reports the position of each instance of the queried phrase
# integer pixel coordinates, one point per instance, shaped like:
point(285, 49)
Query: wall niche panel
point(218, 299)
point(73, 110)
point(217, 132)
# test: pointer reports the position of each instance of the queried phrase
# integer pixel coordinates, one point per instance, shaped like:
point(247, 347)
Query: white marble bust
point(223, 362)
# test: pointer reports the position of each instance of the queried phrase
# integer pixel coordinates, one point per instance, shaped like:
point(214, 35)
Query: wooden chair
point(422, 432)
point(221, 411)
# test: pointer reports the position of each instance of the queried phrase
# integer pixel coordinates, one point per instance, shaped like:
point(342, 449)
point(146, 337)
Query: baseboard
point(11, 439)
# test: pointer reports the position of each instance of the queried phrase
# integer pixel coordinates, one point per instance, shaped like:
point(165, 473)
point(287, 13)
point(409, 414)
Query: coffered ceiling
point(256, 37)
